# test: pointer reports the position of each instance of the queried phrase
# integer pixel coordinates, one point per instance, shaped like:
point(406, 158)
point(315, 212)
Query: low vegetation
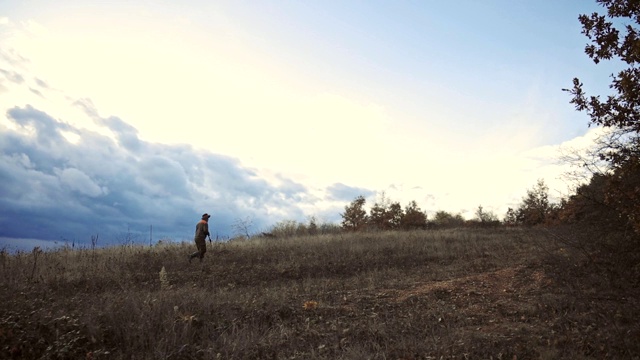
point(501, 293)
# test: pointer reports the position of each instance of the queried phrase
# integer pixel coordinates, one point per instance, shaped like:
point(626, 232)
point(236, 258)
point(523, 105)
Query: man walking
point(202, 231)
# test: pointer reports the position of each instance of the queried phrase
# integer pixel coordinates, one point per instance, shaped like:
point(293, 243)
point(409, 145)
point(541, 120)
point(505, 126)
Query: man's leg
point(202, 248)
point(195, 254)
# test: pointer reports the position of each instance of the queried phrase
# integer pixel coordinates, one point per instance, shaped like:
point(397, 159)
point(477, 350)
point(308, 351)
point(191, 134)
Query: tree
point(378, 216)
point(622, 109)
point(624, 191)
point(588, 205)
point(535, 206)
point(445, 219)
point(354, 217)
point(385, 215)
point(413, 217)
point(127, 238)
point(486, 218)
point(615, 37)
point(395, 215)
point(313, 226)
point(241, 226)
point(511, 217)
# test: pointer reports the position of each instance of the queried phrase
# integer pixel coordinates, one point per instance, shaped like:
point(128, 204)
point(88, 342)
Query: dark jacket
point(202, 230)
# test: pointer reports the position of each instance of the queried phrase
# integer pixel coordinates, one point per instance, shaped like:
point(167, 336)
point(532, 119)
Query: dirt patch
point(500, 283)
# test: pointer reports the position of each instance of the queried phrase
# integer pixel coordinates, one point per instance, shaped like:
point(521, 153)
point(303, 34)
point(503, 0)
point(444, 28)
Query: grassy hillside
point(472, 293)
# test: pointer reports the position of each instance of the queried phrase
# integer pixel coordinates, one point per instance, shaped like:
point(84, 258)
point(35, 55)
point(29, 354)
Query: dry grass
point(472, 293)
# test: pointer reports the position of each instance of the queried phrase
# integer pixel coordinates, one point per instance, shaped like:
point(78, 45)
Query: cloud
point(79, 182)
point(55, 188)
point(342, 192)
point(41, 83)
point(40, 124)
point(12, 76)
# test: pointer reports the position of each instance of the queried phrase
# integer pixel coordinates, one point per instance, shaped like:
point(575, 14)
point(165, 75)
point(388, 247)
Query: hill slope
point(472, 293)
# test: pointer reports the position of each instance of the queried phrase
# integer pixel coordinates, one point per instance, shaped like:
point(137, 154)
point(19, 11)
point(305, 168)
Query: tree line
point(608, 200)
point(389, 215)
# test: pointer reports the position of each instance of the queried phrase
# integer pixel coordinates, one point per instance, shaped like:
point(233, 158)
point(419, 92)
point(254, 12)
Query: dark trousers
point(201, 244)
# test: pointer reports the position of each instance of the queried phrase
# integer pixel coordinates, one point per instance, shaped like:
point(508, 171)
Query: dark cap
point(205, 216)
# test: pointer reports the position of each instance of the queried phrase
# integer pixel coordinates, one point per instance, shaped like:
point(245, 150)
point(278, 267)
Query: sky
point(126, 119)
